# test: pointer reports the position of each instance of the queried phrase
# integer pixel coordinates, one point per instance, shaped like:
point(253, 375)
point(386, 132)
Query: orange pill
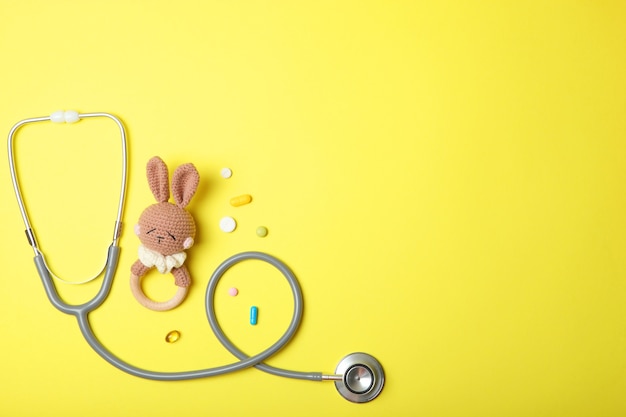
point(240, 200)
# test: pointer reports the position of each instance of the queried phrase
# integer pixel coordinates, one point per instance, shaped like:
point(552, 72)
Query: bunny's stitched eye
point(150, 231)
point(172, 236)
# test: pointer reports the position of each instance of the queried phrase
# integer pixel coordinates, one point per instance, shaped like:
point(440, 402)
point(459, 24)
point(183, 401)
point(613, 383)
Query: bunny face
point(166, 228)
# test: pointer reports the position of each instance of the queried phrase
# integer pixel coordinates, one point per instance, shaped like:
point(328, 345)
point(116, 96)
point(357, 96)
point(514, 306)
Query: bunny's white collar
point(163, 263)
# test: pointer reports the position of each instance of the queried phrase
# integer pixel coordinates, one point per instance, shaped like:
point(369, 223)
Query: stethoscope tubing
point(298, 301)
point(81, 312)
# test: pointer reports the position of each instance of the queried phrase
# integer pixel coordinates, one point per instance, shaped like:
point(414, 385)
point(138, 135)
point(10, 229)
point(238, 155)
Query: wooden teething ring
point(135, 287)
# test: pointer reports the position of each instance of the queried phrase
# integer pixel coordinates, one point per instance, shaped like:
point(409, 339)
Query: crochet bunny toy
point(166, 230)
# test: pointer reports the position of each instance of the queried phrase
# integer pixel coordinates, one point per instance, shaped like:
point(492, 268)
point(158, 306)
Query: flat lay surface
point(445, 179)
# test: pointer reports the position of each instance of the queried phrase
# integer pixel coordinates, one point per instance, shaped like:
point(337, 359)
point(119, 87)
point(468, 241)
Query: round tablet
point(226, 173)
point(228, 224)
point(261, 231)
point(233, 292)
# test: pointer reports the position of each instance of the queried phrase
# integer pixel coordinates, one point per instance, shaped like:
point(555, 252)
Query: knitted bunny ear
point(157, 179)
point(184, 184)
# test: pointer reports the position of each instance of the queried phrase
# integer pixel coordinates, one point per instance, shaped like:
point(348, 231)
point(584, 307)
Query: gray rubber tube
point(81, 312)
point(286, 337)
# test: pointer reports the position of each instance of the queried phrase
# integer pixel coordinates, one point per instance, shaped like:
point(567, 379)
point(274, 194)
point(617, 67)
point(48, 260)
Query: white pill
point(226, 173)
point(58, 116)
point(227, 224)
point(71, 116)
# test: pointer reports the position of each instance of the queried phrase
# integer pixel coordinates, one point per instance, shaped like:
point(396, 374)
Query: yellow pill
point(240, 200)
point(172, 336)
point(261, 231)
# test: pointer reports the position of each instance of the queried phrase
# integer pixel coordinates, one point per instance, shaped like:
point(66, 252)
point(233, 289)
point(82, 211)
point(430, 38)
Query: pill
point(254, 315)
point(240, 200)
point(172, 336)
point(226, 173)
point(233, 292)
point(227, 224)
point(261, 231)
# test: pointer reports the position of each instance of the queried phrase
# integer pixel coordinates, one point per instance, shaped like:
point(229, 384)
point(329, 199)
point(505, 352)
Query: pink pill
point(233, 291)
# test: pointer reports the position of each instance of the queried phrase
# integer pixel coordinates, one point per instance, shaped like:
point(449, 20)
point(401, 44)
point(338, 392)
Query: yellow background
point(446, 179)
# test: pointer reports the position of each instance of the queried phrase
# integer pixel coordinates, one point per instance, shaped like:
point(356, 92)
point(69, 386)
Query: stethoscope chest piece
point(363, 377)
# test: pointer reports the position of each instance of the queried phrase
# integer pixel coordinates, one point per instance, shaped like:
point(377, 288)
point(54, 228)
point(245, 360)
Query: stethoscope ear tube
point(69, 117)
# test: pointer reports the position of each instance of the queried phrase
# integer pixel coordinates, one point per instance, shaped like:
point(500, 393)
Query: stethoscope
point(359, 377)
